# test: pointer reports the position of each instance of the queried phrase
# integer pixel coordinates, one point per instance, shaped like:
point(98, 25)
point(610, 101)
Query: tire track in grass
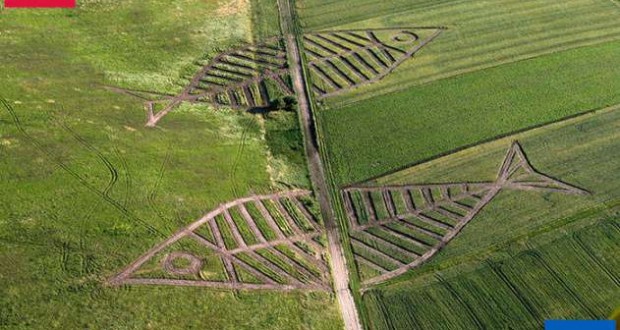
point(75, 175)
point(150, 198)
point(127, 175)
point(233, 171)
point(592, 256)
point(111, 168)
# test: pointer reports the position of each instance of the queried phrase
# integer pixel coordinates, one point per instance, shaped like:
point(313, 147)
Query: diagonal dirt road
point(338, 265)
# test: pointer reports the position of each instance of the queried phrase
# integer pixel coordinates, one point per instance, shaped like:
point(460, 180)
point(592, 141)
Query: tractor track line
point(74, 174)
point(106, 162)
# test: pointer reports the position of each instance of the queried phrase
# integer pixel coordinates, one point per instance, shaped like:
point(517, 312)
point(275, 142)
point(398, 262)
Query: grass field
point(86, 188)
point(388, 132)
point(479, 34)
point(521, 253)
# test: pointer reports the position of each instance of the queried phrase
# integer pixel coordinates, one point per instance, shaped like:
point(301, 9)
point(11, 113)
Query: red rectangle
point(39, 3)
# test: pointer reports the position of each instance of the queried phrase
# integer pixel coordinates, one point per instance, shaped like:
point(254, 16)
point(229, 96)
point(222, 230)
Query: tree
point(290, 103)
point(277, 104)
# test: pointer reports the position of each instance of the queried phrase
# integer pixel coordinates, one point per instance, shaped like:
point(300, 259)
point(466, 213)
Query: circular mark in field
point(405, 36)
point(181, 263)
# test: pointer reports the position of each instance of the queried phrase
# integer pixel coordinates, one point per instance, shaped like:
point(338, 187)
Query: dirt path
point(337, 261)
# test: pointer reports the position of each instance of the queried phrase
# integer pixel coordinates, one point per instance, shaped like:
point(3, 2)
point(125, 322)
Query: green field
point(480, 34)
point(538, 284)
point(529, 255)
point(379, 135)
point(86, 188)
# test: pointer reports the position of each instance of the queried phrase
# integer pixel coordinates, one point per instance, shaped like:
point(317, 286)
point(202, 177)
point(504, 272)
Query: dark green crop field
point(390, 131)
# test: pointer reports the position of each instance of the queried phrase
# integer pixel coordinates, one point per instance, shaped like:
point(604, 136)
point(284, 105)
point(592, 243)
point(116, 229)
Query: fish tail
point(516, 172)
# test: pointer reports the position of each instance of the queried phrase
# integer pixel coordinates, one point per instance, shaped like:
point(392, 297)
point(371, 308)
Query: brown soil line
point(389, 202)
point(306, 214)
point(235, 231)
point(369, 207)
point(370, 264)
point(286, 240)
point(360, 245)
point(289, 219)
point(229, 258)
point(226, 285)
point(408, 239)
point(270, 221)
point(299, 267)
point(383, 241)
point(280, 271)
point(230, 270)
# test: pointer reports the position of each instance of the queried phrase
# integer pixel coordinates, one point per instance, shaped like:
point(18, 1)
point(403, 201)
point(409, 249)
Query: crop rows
point(259, 241)
point(525, 289)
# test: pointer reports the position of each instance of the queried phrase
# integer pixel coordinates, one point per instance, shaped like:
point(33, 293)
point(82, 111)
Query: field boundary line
point(550, 124)
point(458, 73)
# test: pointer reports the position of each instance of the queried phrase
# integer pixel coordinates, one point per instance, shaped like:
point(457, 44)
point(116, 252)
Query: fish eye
point(405, 37)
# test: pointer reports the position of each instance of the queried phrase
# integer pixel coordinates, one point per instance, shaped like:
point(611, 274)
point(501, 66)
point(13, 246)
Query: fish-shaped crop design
point(258, 242)
point(396, 228)
point(251, 76)
point(342, 60)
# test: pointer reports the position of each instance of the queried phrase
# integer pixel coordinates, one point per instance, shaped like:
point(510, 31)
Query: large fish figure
point(342, 60)
point(246, 77)
point(396, 228)
point(271, 242)
point(251, 76)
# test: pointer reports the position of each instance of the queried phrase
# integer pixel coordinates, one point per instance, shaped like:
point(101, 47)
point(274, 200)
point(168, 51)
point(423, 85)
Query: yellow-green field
point(86, 188)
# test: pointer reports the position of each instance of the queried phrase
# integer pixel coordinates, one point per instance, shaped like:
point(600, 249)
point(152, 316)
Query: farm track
point(74, 174)
point(438, 212)
point(274, 269)
point(340, 275)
